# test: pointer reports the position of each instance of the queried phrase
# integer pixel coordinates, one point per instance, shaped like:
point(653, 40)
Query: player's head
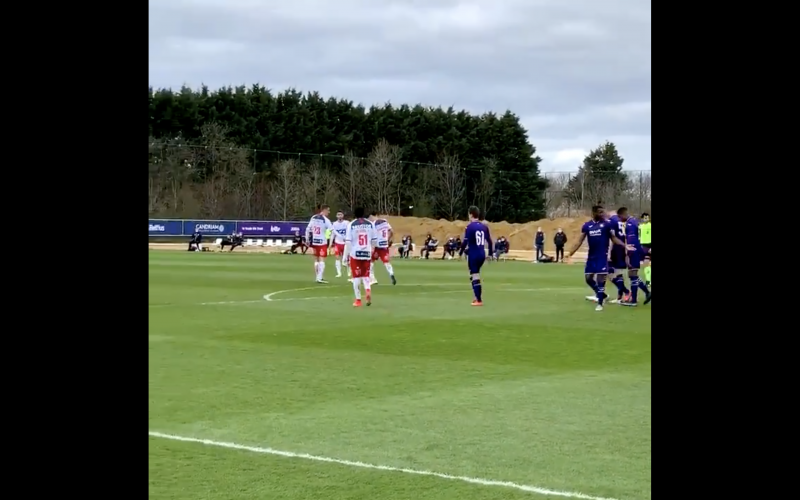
point(560, 230)
point(324, 210)
point(373, 215)
point(622, 213)
point(474, 213)
point(645, 217)
point(339, 215)
point(597, 212)
point(358, 213)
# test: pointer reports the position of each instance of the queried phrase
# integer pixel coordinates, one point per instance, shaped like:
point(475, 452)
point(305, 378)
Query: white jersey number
point(480, 240)
point(363, 242)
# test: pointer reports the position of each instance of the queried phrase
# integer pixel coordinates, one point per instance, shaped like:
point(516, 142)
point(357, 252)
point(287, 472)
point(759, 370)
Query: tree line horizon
point(220, 154)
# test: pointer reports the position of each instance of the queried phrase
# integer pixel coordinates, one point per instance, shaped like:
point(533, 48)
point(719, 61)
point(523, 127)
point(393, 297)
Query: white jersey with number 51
point(362, 237)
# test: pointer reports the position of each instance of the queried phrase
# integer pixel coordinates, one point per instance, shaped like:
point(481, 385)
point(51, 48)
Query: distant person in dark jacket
point(196, 242)
point(501, 247)
point(538, 244)
point(560, 239)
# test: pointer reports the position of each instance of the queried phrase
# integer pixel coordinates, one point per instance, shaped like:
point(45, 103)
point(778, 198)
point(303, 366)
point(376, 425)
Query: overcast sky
point(576, 72)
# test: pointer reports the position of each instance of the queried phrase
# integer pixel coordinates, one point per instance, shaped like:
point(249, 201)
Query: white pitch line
point(270, 296)
point(364, 465)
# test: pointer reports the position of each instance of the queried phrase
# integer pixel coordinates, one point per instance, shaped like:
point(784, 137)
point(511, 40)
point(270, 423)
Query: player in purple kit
point(599, 233)
point(617, 261)
point(635, 256)
point(476, 237)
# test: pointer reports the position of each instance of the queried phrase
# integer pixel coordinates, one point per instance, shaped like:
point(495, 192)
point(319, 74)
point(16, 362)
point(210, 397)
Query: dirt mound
point(520, 235)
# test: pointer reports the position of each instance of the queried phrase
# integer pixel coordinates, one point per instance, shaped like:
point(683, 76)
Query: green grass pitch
point(533, 396)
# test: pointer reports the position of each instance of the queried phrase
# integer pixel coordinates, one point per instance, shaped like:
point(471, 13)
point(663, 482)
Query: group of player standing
point(356, 244)
point(359, 242)
point(621, 232)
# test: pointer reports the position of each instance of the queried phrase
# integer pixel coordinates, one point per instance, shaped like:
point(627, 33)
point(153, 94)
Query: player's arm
point(309, 229)
point(464, 243)
point(578, 244)
point(348, 238)
point(489, 241)
point(637, 243)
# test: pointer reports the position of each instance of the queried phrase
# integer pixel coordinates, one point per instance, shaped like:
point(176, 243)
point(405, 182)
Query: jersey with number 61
point(382, 227)
point(476, 239)
point(362, 237)
point(315, 233)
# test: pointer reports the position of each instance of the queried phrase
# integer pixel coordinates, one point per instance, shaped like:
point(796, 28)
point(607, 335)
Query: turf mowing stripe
point(363, 465)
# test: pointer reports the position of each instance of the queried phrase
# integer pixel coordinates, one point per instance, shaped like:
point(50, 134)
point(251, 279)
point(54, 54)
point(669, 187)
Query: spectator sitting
point(406, 247)
point(501, 247)
point(450, 248)
point(431, 244)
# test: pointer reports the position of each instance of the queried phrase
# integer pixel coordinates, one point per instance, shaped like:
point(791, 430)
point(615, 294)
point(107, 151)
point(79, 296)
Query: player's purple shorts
point(475, 264)
point(596, 265)
point(635, 258)
point(616, 261)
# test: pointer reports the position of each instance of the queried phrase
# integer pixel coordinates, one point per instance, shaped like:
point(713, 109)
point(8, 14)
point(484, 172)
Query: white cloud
point(576, 72)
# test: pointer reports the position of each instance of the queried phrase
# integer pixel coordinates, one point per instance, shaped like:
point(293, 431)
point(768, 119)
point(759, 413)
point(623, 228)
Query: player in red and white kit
point(382, 249)
point(360, 241)
point(339, 232)
point(315, 236)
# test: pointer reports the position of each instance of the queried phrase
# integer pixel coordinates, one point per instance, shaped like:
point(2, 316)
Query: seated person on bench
point(405, 247)
point(450, 248)
point(233, 241)
point(501, 247)
point(299, 241)
point(430, 246)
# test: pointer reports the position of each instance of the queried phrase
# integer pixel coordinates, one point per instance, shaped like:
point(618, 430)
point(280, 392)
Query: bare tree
point(384, 171)
point(451, 185)
point(319, 186)
point(286, 190)
point(156, 191)
point(557, 203)
point(328, 189)
point(639, 191)
point(222, 172)
point(424, 190)
point(351, 181)
point(168, 167)
point(484, 186)
point(212, 196)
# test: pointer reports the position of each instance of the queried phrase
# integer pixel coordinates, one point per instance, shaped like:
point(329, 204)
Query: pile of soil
point(520, 235)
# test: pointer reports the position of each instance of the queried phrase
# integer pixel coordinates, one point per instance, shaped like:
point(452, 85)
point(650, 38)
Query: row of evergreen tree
point(251, 153)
